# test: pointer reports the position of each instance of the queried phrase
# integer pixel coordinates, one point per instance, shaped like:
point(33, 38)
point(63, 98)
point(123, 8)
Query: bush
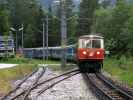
point(122, 62)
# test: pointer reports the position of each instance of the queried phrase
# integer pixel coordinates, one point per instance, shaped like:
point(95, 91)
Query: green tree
point(119, 18)
point(128, 30)
point(39, 27)
point(54, 27)
point(4, 21)
point(115, 26)
point(71, 21)
point(106, 3)
point(28, 13)
point(30, 35)
point(86, 16)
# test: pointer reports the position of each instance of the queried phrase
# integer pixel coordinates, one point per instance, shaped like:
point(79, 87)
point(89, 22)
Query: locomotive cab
point(90, 43)
point(90, 52)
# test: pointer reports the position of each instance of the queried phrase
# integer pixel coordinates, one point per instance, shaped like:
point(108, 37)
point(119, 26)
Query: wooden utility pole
point(16, 40)
point(47, 30)
point(63, 32)
point(43, 40)
point(22, 37)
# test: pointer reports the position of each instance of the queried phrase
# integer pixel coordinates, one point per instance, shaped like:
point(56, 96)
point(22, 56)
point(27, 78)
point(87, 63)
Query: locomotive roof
point(91, 36)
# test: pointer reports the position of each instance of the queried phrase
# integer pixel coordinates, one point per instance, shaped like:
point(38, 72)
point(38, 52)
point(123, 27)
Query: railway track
point(22, 93)
point(31, 79)
point(123, 87)
point(106, 89)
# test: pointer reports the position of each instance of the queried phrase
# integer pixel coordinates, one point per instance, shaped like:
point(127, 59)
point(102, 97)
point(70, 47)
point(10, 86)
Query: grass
point(21, 60)
point(121, 69)
point(9, 75)
point(25, 66)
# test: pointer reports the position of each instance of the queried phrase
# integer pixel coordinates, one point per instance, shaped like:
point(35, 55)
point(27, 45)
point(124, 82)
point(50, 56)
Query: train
point(50, 52)
point(88, 53)
point(7, 46)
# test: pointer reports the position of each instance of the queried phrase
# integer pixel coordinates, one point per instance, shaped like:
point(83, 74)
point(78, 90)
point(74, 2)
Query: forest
point(113, 20)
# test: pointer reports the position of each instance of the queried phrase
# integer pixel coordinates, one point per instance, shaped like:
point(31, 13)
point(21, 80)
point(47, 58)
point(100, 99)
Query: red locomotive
point(90, 53)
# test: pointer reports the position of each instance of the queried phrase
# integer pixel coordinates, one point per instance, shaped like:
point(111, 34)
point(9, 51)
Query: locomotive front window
point(85, 43)
point(96, 43)
point(88, 43)
point(91, 43)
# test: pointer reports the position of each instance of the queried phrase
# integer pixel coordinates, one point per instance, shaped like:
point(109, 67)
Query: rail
point(12, 95)
point(105, 90)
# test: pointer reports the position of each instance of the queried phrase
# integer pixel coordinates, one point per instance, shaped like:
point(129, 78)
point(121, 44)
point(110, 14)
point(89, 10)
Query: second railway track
point(105, 89)
point(25, 92)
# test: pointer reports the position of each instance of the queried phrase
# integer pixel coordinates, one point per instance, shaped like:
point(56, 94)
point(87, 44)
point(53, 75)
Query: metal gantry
point(22, 36)
point(47, 32)
point(63, 29)
point(43, 40)
point(45, 37)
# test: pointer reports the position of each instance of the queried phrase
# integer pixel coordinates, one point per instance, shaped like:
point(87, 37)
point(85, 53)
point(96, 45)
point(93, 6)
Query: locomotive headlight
point(84, 52)
point(98, 53)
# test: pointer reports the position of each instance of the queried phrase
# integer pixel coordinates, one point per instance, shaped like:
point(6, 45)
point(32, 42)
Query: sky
point(48, 2)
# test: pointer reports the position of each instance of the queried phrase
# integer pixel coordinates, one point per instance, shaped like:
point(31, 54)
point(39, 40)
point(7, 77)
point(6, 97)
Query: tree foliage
point(116, 25)
point(54, 28)
point(32, 15)
point(29, 13)
point(86, 16)
point(4, 20)
point(114, 22)
point(71, 21)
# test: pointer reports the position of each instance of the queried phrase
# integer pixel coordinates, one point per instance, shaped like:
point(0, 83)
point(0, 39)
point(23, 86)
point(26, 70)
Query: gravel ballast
point(74, 88)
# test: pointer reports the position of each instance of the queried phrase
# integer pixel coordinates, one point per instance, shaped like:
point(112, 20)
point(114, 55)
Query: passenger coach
point(6, 46)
